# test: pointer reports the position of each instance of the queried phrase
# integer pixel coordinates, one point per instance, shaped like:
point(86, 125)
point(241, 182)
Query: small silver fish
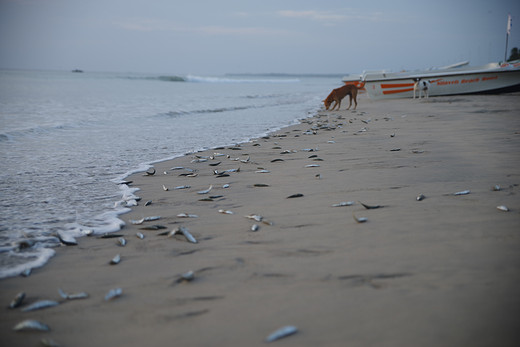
point(206, 191)
point(497, 188)
point(312, 165)
point(187, 215)
point(150, 172)
point(255, 217)
point(31, 324)
point(370, 207)
point(225, 186)
point(116, 260)
point(74, 296)
point(121, 241)
point(136, 222)
point(187, 234)
point(67, 239)
point(38, 305)
point(262, 171)
point(113, 293)
point(281, 333)
point(164, 188)
point(360, 219)
point(186, 277)
point(139, 235)
point(225, 212)
point(151, 218)
point(420, 197)
point(344, 203)
point(182, 187)
point(503, 208)
point(17, 301)
point(464, 192)
point(255, 227)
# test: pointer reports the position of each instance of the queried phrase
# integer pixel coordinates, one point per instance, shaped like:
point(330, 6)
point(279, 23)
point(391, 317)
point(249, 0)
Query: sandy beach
point(441, 270)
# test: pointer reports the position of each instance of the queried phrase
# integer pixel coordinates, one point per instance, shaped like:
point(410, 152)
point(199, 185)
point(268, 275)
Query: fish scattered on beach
point(148, 203)
point(17, 301)
point(186, 277)
point(150, 172)
point(312, 165)
point(255, 227)
point(164, 188)
point(206, 191)
point(139, 235)
point(225, 186)
point(255, 217)
point(343, 203)
point(496, 188)
point(153, 227)
point(276, 160)
point(295, 196)
point(281, 333)
point(184, 231)
point(463, 192)
point(41, 304)
point(115, 260)
point(67, 240)
point(215, 164)
point(420, 197)
point(113, 293)
point(395, 149)
point(260, 185)
point(225, 211)
point(503, 208)
point(121, 241)
point(110, 236)
point(263, 171)
point(360, 219)
point(199, 160)
point(187, 215)
point(370, 207)
point(74, 296)
point(31, 324)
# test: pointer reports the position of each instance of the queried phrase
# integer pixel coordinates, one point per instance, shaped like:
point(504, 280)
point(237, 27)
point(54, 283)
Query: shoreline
point(440, 271)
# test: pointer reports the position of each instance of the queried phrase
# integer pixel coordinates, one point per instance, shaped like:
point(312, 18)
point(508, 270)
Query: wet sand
point(443, 271)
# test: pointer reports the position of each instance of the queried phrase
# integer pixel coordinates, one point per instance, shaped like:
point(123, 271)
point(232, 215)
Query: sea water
point(67, 139)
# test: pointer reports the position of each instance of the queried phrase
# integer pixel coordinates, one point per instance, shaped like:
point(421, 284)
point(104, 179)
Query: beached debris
point(139, 235)
point(344, 203)
point(186, 277)
point(255, 227)
point(503, 208)
point(115, 260)
point(463, 192)
point(17, 301)
point(150, 172)
point(206, 191)
point(281, 333)
point(298, 195)
point(225, 211)
point(164, 188)
point(420, 197)
point(187, 215)
point(113, 293)
point(73, 296)
point(121, 241)
point(31, 324)
point(359, 219)
point(39, 305)
point(255, 217)
point(184, 231)
point(66, 239)
point(496, 188)
point(371, 207)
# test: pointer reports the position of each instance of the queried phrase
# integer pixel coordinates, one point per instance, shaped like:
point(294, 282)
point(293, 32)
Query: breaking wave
point(211, 79)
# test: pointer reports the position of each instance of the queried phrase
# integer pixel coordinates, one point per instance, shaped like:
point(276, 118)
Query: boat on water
point(449, 80)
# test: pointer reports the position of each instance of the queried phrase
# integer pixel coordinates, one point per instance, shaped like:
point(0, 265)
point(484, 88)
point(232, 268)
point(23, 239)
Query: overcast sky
point(213, 37)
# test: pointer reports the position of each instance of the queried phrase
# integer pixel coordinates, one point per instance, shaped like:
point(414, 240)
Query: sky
point(214, 37)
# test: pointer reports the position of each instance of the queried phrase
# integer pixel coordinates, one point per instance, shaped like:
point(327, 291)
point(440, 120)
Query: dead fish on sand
point(31, 324)
point(186, 277)
point(260, 185)
point(295, 196)
point(503, 208)
point(281, 333)
point(182, 187)
point(74, 296)
point(496, 188)
point(164, 188)
point(121, 241)
point(116, 260)
point(344, 203)
point(255, 227)
point(113, 293)
point(312, 165)
point(67, 240)
point(17, 301)
point(276, 160)
point(187, 215)
point(420, 197)
point(153, 227)
point(206, 191)
point(360, 219)
point(184, 231)
point(369, 207)
point(225, 212)
point(38, 305)
point(139, 235)
point(262, 171)
point(463, 192)
point(150, 172)
point(255, 217)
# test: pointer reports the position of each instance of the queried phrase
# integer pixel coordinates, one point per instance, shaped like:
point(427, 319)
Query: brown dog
point(339, 93)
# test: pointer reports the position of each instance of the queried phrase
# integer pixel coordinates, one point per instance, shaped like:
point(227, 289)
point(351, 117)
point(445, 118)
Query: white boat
point(450, 80)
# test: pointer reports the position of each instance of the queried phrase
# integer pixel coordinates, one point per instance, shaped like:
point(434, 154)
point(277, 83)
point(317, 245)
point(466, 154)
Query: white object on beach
point(281, 333)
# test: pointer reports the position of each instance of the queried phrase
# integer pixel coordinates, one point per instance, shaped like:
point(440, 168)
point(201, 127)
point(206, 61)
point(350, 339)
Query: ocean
point(67, 139)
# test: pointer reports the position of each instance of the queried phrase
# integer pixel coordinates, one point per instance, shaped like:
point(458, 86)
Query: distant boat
point(77, 70)
point(455, 79)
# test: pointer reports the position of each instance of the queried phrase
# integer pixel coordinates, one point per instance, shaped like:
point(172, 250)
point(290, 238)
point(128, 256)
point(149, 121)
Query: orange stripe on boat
point(397, 91)
point(396, 85)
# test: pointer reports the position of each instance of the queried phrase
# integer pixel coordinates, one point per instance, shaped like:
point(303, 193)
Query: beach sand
point(443, 271)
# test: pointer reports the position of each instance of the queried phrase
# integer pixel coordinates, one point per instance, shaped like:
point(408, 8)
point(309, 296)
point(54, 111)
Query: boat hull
point(505, 78)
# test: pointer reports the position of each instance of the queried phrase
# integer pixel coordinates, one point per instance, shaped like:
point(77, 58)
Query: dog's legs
point(334, 106)
point(339, 104)
point(350, 102)
point(355, 101)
